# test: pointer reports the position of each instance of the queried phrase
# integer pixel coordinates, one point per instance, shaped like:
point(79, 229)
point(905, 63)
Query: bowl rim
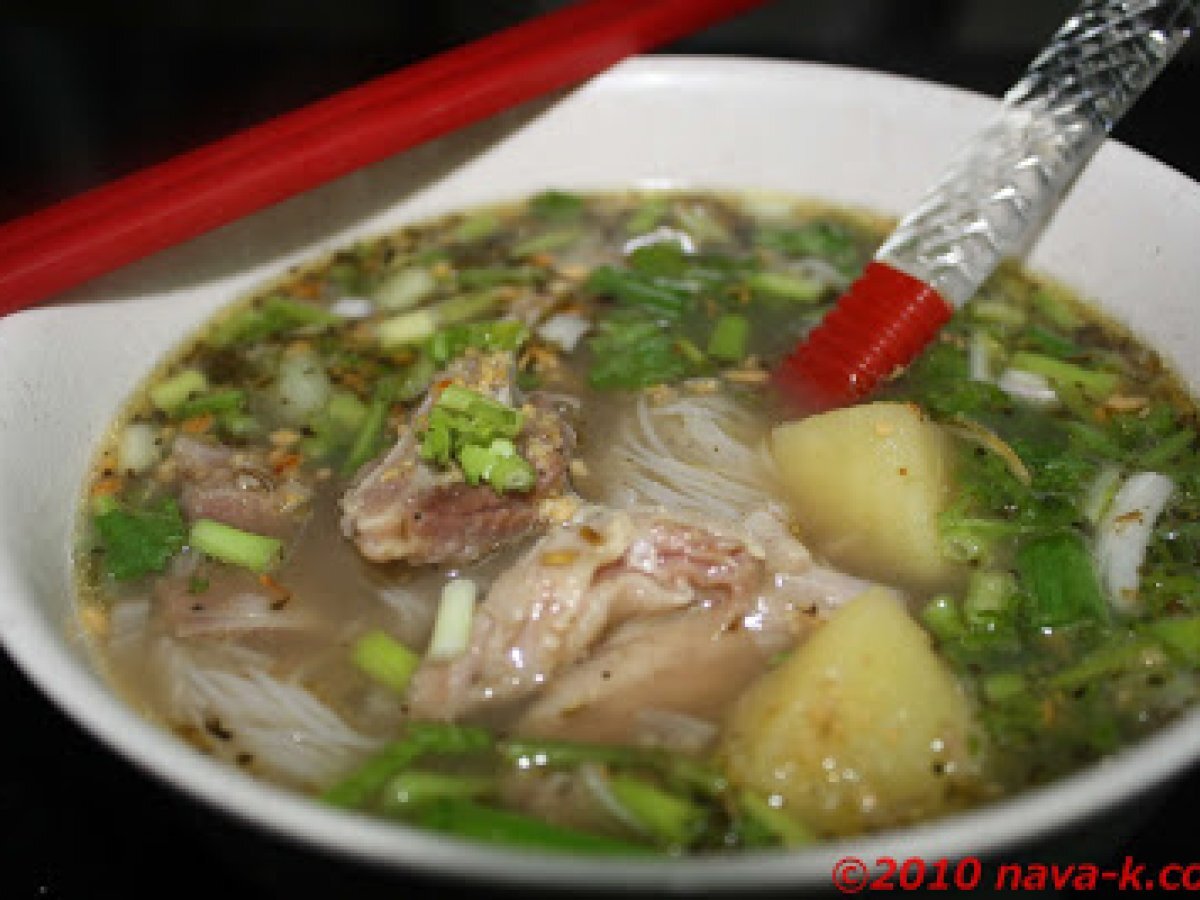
point(37, 648)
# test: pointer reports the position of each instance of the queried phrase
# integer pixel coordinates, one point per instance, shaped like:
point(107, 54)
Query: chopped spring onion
point(942, 617)
point(1029, 387)
point(415, 379)
point(345, 410)
point(256, 552)
point(689, 351)
point(367, 436)
point(405, 289)
point(1000, 686)
point(452, 628)
point(477, 432)
point(498, 464)
point(1168, 449)
point(1057, 574)
point(407, 328)
point(462, 417)
point(729, 338)
point(1051, 342)
point(668, 819)
point(413, 787)
point(491, 276)
point(990, 601)
point(998, 312)
point(1124, 654)
point(547, 241)
point(239, 424)
point(385, 659)
point(454, 340)
point(1055, 308)
point(536, 753)
point(465, 307)
point(556, 205)
point(170, 394)
point(274, 316)
point(228, 400)
point(1124, 534)
point(1180, 636)
point(786, 286)
point(647, 215)
point(780, 825)
point(1098, 384)
point(466, 818)
point(698, 221)
point(420, 738)
point(1100, 493)
point(476, 227)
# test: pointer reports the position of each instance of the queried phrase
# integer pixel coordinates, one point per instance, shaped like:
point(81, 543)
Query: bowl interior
point(1122, 238)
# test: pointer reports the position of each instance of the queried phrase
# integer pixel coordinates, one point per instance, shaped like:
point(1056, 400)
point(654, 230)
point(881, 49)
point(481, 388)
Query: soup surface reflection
point(492, 526)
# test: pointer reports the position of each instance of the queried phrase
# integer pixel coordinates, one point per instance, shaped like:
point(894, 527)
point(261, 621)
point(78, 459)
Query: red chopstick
point(57, 248)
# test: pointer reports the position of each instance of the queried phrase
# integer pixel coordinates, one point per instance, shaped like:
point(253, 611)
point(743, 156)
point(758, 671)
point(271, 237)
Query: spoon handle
point(1007, 181)
point(994, 197)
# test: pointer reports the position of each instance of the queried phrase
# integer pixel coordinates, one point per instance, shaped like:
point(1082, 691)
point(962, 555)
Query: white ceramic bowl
point(1125, 237)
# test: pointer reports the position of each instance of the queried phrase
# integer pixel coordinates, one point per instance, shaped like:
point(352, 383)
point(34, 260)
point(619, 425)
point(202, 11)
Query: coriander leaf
point(634, 354)
point(829, 241)
point(139, 542)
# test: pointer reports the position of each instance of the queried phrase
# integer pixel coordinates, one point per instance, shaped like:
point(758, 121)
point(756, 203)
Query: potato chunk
point(862, 727)
point(867, 484)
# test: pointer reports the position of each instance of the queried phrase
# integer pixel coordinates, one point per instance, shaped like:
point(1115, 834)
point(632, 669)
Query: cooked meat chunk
point(620, 610)
point(404, 508)
point(239, 488)
point(693, 661)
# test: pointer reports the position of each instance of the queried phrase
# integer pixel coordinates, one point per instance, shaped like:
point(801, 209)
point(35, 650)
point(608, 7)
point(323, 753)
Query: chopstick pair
point(64, 245)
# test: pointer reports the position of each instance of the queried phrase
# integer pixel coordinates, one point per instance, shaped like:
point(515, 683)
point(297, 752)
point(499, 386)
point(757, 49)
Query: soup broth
point(494, 526)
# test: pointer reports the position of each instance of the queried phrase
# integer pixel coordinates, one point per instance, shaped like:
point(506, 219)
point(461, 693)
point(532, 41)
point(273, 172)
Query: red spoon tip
point(878, 326)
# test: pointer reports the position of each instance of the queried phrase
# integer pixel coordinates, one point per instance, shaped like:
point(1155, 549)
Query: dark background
point(91, 93)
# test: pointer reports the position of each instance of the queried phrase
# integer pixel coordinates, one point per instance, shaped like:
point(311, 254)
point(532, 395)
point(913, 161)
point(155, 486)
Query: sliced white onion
point(1124, 535)
point(352, 308)
point(407, 328)
point(564, 330)
point(138, 448)
point(979, 364)
point(1029, 387)
point(452, 628)
point(303, 387)
point(660, 236)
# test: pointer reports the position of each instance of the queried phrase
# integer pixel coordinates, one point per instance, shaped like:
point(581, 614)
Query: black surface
point(84, 98)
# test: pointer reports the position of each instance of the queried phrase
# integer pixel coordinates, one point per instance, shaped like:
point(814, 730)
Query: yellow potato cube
point(866, 485)
point(862, 727)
